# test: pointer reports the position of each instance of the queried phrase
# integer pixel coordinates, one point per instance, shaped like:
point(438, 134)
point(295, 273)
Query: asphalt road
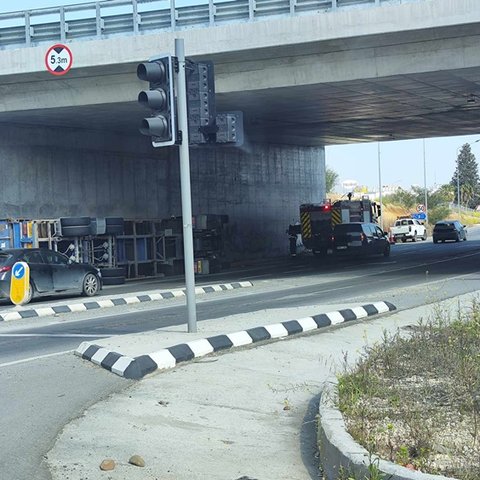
point(43, 388)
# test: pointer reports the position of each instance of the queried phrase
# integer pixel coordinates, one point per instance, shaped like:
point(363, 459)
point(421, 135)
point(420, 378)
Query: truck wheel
point(404, 240)
point(414, 238)
point(424, 236)
point(113, 275)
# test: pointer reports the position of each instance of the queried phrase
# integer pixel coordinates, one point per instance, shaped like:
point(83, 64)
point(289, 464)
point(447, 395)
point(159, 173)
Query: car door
point(370, 240)
point(461, 230)
point(40, 272)
point(64, 276)
point(380, 240)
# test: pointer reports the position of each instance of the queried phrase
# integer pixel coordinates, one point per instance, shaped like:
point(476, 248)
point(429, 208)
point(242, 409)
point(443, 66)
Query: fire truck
point(318, 219)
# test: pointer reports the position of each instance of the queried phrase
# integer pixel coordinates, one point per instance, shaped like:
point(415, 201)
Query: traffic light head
point(230, 128)
point(201, 102)
point(160, 98)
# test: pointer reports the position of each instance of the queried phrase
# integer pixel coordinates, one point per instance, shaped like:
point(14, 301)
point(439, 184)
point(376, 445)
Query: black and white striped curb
point(138, 367)
point(114, 302)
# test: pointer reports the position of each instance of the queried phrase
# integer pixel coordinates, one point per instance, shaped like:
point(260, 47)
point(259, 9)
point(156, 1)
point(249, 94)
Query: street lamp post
point(425, 183)
point(458, 183)
point(380, 185)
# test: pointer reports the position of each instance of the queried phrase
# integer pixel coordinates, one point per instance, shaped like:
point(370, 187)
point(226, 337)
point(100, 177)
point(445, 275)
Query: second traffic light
point(201, 102)
point(160, 98)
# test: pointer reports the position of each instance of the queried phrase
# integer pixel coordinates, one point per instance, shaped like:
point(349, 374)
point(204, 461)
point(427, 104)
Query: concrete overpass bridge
point(306, 73)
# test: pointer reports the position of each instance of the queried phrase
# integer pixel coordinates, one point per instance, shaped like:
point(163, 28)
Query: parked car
point(360, 239)
point(50, 272)
point(449, 230)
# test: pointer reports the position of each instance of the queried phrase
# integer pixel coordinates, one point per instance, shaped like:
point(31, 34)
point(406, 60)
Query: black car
point(50, 272)
point(449, 230)
point(360, 239)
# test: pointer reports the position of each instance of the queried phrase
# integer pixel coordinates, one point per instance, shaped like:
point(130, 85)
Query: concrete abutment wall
point(50, 173)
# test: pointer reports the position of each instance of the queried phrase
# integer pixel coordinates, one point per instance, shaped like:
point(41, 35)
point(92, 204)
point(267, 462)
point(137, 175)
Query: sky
point(401, 162)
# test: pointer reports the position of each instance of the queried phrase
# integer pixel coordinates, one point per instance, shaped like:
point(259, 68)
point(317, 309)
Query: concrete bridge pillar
point(51, 173)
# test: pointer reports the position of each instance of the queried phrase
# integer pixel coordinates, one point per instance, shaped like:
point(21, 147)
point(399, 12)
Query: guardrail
point(107, 18)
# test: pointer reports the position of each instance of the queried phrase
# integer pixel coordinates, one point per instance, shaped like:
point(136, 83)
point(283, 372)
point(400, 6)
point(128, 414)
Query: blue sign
point(19, 271)
point(419, 216)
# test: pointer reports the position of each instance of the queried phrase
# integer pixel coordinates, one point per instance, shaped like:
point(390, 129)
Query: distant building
point(390, 189)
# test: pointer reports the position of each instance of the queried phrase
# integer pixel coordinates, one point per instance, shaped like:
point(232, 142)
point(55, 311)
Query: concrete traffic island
point(338, 450)
point(137, 366)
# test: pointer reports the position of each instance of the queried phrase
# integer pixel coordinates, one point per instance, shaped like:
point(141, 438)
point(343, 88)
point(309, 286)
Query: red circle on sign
point(59, 69)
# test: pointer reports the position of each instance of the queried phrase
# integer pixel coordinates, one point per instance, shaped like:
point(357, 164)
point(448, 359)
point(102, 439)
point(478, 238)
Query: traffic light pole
point(185, 186)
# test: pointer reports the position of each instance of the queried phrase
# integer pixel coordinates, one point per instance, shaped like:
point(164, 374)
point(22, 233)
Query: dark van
point(360, 239)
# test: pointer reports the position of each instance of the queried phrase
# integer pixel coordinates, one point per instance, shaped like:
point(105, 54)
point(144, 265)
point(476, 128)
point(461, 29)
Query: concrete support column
point(260, 187)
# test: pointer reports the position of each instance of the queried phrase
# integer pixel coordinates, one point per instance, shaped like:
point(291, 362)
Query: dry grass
point(391, 213)
point(414, 399)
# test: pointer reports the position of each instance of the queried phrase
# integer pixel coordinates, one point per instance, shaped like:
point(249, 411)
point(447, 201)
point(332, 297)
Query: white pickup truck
point(408, 229)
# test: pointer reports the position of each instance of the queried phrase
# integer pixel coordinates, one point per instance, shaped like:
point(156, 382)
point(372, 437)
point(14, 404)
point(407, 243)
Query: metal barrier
point(107, 18)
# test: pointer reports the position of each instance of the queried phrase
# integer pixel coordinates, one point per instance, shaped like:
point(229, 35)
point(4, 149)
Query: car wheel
point(114, 225)
point(457, 238)
point(91, 285)
point(75, 221)
point(76, 231)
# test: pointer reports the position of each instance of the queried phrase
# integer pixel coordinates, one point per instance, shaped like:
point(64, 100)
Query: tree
point(401, 197)
point(466, 174)
point(331, 178)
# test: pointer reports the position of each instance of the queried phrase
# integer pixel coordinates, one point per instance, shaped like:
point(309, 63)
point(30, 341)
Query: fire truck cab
point(318, 219)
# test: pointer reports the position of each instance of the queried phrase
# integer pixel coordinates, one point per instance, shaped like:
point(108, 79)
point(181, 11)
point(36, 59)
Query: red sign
point(58, 59)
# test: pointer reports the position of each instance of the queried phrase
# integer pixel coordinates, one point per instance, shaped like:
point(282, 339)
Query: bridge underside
point(304, 90)
point(397, 107)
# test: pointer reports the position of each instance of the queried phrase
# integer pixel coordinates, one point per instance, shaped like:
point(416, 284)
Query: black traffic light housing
point(160, 98)
point(201, 102)
point(230, 128)
point(205, 126)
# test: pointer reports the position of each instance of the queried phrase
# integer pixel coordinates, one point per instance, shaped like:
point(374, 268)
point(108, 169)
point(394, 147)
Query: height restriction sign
point(58, 59)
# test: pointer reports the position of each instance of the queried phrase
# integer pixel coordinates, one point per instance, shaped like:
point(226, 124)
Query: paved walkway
point(244, 414)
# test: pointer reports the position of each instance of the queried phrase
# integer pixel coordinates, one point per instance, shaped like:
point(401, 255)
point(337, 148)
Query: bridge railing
point(107, 18)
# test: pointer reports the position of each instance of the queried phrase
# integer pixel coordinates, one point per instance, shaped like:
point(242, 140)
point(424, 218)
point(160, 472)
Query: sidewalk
point(244, 414)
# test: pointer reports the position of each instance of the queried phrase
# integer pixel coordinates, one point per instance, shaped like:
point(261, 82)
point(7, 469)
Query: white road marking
point(55, 335)
point(32, 359)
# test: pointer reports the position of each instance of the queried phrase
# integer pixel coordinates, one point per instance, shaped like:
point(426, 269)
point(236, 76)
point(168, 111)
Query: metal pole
point(380, 185)
point(458, 183)
point(425, 183)
point(185, 186)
